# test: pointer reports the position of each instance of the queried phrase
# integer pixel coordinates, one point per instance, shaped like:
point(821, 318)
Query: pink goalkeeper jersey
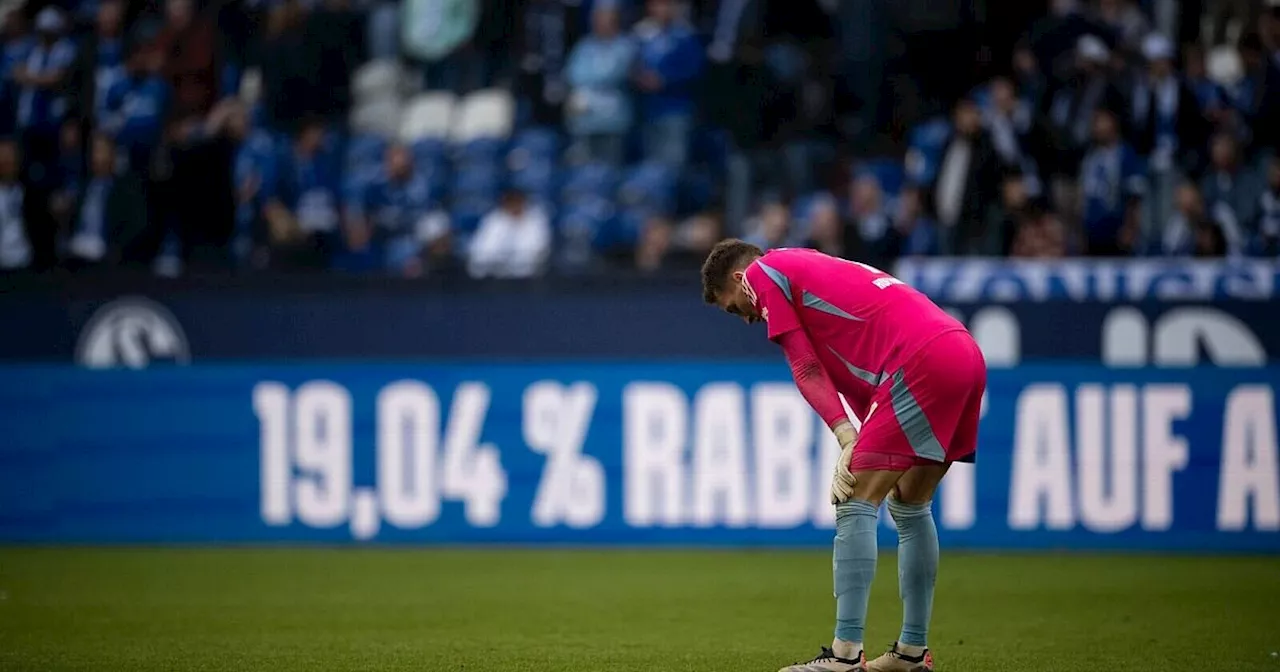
point(863, 322)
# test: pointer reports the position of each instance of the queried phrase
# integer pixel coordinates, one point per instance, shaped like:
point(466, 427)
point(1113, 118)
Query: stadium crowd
point(511, 139)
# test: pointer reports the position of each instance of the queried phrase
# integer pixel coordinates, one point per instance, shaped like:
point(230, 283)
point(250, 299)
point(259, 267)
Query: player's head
point(722, 278)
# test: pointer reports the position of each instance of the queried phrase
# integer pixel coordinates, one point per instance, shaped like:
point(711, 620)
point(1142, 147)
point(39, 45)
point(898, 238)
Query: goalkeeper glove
point(842, 481)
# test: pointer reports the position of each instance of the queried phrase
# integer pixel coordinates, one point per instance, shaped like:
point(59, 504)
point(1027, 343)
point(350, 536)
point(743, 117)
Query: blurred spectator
point(1192, 231)
point(1008, 119)
point(1028, 78)
point(42, 105)
point(1126, 22)
point(598, 113)
point(1259, 94)
point(382, 30)
point(286, 84)
point(1210, 95)
point(869, 222)
point(99, 65)
point(513, 241)
point(1003, 218)
point(1166, 121)
point(1088, 88)
point(490, 45)
point(695, 236)
point(434, 33)
point(334, 45)
point(826, 231)
point(1166, 125)
point(653, 253)
point(301, 202)
point(1230, 188)
point(1228, 17)
point(669, 65)
point(546, 30)
point(1053, 37)
point(1112, 187)
point(968, 177)
point(1268, 227)
point(18, 44)
point(912, 234)
point(16, 251)
point(188, 46)
point(136, 108)
point(110, 214)
point(253, 170)
point(397, 216)
point(771, 227)
point(68, 176)
point(1040, 235)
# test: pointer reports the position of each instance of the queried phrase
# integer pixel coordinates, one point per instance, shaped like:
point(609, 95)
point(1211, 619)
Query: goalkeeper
point(915, 376)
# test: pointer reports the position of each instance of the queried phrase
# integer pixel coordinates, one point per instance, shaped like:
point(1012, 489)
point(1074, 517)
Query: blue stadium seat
point(534, 145)
point(626, 229)
point(591, 180)
point(477, 182)
point(650, 186)
point(578, 234)
point(481, 151)
point(539, 179)
point(468, 211)
point(364, 150)
point(430, 151)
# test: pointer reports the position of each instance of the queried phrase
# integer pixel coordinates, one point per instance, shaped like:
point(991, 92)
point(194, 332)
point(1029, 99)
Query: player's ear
point(737, 276)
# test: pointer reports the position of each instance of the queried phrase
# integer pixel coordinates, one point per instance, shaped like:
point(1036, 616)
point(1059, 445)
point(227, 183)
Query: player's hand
point(842, 481)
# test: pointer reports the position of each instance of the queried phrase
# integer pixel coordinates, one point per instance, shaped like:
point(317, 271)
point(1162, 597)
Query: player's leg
point(912, 511)
point(854, 556)
point(945, 393)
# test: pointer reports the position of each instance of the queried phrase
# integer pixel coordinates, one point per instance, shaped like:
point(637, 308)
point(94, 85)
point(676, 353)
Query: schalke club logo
point(132, 332)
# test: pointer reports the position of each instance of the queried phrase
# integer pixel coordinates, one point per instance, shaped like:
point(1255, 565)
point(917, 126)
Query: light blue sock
point(854, 566)
point(917, 568)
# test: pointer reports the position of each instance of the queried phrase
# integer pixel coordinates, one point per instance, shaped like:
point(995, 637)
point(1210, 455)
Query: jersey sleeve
point(771, 291)
point(812, 381)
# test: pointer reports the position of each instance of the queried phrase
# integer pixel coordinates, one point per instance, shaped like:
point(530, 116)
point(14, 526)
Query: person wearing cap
point(42, 104)
point(1071, 109)
point(1166, 124)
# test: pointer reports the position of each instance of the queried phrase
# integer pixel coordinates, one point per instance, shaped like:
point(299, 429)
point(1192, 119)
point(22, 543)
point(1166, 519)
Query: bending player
point(917, 378)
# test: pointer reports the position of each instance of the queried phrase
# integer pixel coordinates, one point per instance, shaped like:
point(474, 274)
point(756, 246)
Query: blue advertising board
point(695, 453)
point(1091, 280)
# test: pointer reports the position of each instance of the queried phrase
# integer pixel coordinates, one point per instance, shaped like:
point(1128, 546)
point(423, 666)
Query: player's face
point(733, 300)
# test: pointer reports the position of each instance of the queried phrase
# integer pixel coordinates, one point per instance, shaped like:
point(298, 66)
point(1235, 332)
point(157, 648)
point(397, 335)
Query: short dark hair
point(726, 257)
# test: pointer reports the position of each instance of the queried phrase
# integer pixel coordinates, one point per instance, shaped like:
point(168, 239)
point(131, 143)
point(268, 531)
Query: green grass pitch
point(281, 610)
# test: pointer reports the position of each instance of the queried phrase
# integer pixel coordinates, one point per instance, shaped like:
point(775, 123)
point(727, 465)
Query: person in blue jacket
point(669, 65)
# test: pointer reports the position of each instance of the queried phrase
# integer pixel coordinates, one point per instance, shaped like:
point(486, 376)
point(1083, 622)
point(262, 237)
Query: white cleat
point(828, 661)
point(897, 660)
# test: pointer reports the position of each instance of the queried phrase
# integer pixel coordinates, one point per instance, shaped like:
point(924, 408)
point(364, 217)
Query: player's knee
point(874, 486)
point(904, 512)
point(909, 496)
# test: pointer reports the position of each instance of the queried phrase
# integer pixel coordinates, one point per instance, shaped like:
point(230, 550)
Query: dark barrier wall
point(1165, 314)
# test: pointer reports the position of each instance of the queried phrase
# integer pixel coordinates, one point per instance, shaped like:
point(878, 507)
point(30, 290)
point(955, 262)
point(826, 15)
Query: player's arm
point(814, 383)
point(816, 387)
